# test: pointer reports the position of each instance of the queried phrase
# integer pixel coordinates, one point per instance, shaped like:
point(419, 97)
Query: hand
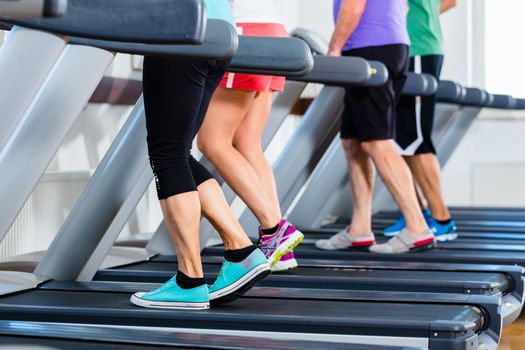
point(334, 52)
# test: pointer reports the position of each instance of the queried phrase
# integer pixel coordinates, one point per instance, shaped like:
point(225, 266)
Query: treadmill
point(438, 325)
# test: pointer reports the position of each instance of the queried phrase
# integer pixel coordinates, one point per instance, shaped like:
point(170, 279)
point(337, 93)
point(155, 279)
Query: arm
point(349, 16)
point(447, 5)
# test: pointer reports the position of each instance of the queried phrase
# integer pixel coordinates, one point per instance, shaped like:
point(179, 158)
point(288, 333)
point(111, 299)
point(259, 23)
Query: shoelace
point(276, 241)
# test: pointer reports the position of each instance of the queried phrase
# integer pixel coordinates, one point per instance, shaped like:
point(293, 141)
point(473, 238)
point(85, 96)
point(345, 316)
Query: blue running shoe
point(444, 233)
point(171, 296)
point(235, 279)
point(400, 224)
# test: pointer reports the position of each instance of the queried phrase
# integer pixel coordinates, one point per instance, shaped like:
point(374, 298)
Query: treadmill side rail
point(13, 282)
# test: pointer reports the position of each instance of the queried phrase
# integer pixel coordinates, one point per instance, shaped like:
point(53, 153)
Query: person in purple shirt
point(375, 30)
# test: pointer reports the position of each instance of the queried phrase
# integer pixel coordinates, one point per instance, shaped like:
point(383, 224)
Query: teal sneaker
point(444, 233)
point(400, 224)
point(235, 279)
point(171, 296)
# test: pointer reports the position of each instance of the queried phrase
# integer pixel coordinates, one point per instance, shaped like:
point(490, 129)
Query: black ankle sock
point(270, 231)
point(238, 255)
point(443, 222)
point(186, 282)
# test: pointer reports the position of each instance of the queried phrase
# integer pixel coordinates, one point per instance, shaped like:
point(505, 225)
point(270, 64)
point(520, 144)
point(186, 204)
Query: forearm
point(349, 16)
point(447, 5)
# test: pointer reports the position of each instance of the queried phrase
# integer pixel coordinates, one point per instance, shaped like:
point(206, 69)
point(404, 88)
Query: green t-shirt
point(220, 9)
point(424, 27)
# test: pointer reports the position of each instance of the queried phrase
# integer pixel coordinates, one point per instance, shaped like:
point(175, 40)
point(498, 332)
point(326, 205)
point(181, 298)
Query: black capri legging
point(177, 92)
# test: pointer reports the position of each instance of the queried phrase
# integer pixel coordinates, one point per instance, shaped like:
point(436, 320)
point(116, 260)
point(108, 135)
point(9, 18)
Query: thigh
point(217, 70)
point(226, 112)
point(254, 122)
point(173, 91)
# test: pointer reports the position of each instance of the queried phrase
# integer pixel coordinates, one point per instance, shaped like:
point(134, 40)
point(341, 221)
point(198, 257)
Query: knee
point(247, 147)
point(212, 148)
point(205, 146)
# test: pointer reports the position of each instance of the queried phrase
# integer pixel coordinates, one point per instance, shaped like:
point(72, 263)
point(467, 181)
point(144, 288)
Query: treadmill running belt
point(254, 314)
point(332, 278)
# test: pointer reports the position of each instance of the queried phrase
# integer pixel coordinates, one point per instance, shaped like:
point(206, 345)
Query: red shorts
point(252, 82)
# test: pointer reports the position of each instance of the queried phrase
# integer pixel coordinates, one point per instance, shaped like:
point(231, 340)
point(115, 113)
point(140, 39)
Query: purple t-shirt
point(384, 22)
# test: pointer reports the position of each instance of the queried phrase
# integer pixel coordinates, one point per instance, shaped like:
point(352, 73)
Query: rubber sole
point(231, 293)
point(168, 304)
point(449, 237)
point(284, 265)
point(286, 247)
point(423, 248)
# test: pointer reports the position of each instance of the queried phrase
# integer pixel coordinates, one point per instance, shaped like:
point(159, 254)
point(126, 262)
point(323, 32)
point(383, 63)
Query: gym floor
point(514, 335)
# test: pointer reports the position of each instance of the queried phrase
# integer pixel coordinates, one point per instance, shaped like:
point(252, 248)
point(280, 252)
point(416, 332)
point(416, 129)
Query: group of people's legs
point(227, 112)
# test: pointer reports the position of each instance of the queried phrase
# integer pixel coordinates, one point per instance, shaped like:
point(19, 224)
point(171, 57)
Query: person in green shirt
point(416, 118)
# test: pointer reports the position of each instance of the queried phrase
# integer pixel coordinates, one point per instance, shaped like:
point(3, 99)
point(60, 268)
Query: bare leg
point(397, 178)
point(427, 173)
point(182, 213)
point(216, 210)
point(361, 173)
point(420, 198)
point(227, 110)
point(247, 140)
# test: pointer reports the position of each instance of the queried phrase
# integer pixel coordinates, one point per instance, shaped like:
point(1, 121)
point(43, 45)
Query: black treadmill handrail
point(420, 85)
point(450, 92)
point(166, 21)
point(502, 102)
point(272, 56)
point(338, 71)
point(520, 103)
point(220, 41)
point(474, 97)
point(316, 43)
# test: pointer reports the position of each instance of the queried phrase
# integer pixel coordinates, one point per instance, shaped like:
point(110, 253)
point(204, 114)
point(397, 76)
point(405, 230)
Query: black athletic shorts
point(370, 112)
point(415, 115)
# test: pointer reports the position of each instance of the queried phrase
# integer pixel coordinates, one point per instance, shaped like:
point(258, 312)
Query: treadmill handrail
point(420, 85)
point(502, 102)
point(272, 56)
point(474, 97)
point(338, 71)
point(220, 41)
point(32, 8)
point(450, 92)
point(167, 21)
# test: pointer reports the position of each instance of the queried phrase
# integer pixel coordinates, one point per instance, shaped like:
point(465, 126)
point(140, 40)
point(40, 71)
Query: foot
point(280, 243)
point(400, 224)
point(443, 232)
point(171, 296)
point(343, 240)
point(406, 242)
point(287, 262)
point(235, 279)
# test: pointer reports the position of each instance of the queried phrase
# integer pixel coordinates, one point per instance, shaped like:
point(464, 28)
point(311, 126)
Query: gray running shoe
point(406, 242)
point(343, 240)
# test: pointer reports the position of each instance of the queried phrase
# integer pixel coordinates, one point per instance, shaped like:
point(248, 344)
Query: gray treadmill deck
point(255, 314)
point(335, 278)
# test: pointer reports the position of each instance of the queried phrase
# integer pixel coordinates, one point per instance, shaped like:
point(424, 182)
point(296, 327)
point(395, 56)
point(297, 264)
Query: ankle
point(238, 255)
point(237, 244)
point(186, 282)
point(358, 231)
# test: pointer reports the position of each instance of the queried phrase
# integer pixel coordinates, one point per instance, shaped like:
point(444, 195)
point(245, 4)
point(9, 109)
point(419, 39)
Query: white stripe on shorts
point(411, 149)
